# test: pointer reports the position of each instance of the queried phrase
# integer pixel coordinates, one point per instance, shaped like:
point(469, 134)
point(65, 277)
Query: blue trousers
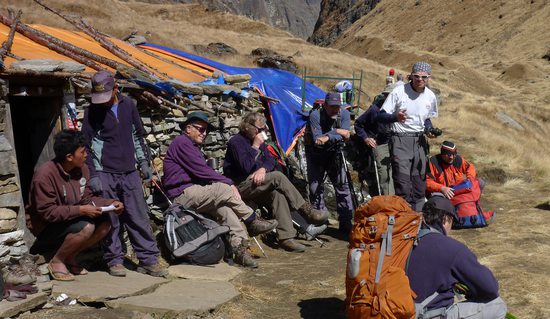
point(126, 187)
point(317, 167)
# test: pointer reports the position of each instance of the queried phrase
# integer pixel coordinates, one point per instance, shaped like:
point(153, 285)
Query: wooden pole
point(6, 46)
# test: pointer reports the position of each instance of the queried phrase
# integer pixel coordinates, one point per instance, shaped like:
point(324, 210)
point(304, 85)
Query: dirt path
point(311, 285)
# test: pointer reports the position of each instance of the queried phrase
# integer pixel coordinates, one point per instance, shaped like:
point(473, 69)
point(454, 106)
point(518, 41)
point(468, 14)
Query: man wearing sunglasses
point(249, 164)
point(189, 181)
point(409, 109)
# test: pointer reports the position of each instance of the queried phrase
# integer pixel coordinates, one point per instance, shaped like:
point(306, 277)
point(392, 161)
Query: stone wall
point(12, 245)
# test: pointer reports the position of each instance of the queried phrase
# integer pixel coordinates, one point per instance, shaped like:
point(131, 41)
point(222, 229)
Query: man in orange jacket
point(447, 170)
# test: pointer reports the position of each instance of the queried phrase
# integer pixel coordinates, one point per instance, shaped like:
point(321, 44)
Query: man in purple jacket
point(189, 181)
point(114, 134)
point(440, 265)
point(252, 168)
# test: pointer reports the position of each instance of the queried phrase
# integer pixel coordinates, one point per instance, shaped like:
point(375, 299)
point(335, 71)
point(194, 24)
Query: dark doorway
point(35, 120)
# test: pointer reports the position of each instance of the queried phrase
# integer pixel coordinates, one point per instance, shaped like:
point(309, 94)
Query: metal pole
point(375, 162)
point(259, 246)
point(349, 180)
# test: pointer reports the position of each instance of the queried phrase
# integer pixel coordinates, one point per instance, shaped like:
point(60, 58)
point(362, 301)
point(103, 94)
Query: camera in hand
point(433, 130)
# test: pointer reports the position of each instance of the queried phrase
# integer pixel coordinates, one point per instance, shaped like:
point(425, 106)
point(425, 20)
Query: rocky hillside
point(297, 17)
point(336, 16)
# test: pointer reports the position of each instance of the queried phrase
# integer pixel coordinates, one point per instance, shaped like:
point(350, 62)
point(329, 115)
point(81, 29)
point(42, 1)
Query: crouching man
point(189, 181)
point(62, 212)
point(440, 265)
point(249, 164)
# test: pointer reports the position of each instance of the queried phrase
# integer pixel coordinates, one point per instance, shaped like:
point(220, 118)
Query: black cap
point(441, 203)
point(333, 99)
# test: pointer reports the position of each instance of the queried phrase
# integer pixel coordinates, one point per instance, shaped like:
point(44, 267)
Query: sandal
point(59, 274)
point(77, 270)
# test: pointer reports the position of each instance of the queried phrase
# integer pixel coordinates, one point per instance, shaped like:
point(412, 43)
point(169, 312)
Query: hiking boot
point(260, 226)
point(312, 215)
point(313, 231)
point(243, 256)
point(155, 270)
point(292, 246)
point(117, 270)
point(16, 275)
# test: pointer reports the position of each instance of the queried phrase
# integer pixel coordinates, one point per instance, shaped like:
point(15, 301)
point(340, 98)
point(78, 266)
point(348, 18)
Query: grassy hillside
point(488, 59)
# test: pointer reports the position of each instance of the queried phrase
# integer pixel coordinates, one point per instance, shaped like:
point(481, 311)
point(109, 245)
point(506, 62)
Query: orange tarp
point(185, 71)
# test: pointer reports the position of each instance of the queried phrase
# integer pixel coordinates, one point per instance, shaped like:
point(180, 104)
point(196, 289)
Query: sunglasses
point(200, 129)
point(260, 129)
point(423, 77)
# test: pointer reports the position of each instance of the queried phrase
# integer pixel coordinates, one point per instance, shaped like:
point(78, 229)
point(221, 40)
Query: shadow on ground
point(545, 206)
point(329, 308)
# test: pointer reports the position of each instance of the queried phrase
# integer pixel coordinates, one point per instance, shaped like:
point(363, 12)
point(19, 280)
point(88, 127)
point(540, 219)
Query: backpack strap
point(420, 308)
point(385, 247)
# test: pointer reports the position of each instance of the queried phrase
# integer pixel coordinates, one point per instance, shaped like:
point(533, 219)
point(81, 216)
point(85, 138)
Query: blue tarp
point(288, 118)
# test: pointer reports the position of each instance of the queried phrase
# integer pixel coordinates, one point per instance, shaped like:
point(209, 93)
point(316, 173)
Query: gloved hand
point(95, 185)
point(146, 171)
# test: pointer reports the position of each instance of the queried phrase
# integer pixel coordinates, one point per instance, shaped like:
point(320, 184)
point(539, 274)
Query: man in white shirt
point(409, 109)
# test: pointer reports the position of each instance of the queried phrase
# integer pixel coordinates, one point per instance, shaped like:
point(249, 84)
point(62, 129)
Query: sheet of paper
point(106, 209)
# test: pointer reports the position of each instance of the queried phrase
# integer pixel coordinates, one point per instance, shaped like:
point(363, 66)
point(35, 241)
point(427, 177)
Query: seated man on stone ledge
point(62, 213)
point(249, 164)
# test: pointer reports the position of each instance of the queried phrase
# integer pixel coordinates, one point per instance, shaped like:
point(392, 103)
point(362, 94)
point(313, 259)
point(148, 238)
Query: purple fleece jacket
point(241, 159)
point(184, 166)
point(438, 262)
point(114, 142)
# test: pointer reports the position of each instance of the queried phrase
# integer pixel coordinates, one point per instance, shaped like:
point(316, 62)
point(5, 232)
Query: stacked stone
point(12, 245)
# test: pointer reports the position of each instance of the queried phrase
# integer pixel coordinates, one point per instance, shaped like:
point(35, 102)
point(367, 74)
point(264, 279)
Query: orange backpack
point(380, 243)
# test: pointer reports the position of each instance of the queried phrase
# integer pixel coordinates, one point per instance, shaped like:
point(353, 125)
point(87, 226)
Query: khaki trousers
point(217, 201)
point(279, 195)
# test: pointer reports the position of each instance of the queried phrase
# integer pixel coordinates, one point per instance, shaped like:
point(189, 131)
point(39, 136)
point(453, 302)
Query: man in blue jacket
point(440, 265)
point(326, 130)
point(115, 144)
point(189, 181)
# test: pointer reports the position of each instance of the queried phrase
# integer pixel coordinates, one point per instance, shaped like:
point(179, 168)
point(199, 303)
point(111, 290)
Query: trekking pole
point(259, 246)
point(375, 162)
point(314, 237)
point(302, 163)
point(154, 181)
point(349, 180)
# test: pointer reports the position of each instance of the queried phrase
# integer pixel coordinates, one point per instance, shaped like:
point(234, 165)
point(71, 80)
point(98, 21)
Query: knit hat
point(392, 71)
point(448, 148)
point(103, 84)
point(422, 67)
